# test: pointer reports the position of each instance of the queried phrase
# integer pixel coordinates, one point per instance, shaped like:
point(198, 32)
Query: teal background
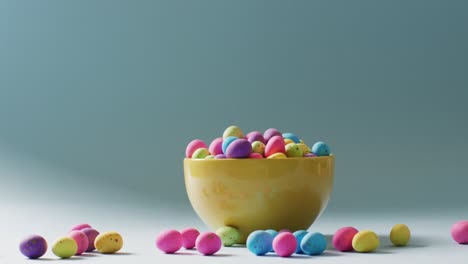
point(101, 97)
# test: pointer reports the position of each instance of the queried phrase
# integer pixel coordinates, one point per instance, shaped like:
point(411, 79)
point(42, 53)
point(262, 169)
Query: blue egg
point(321, 149)
point(226, 143)
point(313, 244)
point(273, 233)
point(299, 236)
point(292, 137)
point(259, 242)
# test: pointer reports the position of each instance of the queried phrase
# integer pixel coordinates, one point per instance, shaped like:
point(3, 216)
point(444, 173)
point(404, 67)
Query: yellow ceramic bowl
point(259, 194)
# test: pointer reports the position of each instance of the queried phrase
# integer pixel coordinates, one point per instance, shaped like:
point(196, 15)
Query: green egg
point(209, 157)
point(294, 150)
point(229, 235)
point(258, 147)
point(200, 153)
point(65, 247)
point(233, 131)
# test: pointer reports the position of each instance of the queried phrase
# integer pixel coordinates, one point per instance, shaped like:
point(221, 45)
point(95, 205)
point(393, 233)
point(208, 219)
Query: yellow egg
point(288, 141)
point(64, 247)
point(109, 242)
point(365, 241)
point(400, 235)
point(233, 131)
point(305, 148)
point(278, 155)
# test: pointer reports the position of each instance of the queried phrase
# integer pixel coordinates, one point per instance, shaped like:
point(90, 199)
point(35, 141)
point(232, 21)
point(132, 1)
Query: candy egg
point(292, 137)
point(91, 233)
point(208, 243)
point(240, 148)
point(273, 234)
point(109, 242)
point(216, 146)
point(313, 244)
point(193, 146)
point(321, 149)
point(33, 246)
point(258, 147)
point(220, 156)
point(293, 150)
point(200, 153)
point(271, 132)
point(81, 240)
point(459, 232)
point(274, 145)
point(285, 244)
point(226, 142)
point(255, 136)
point(278, 156)
point(233, 131)
point(285, 230)
point(288, 141)
point(259, 242)
point(209, 157)
point(400, 235)
point(305, 148)
point(343, 238)
point(189, 236)
point(79, 227)
point(299, 236)
point(310, 155)
point(229, 235)
point(365, 241)
point(255, 156)
point(64, 247)
point(169, 241)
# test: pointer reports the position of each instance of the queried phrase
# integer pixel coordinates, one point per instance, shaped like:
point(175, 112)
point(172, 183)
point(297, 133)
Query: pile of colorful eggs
point(271, 144)
point(81, 238)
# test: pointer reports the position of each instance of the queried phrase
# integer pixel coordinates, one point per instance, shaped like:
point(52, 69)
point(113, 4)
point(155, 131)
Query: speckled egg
point(400, 235)
point(285, 244)
point(193, 146)
point(305, 148)
point(80, 227)
point(292, 137)
point(240, 148)
point(216, 146)
point(321, 149)
point(299, 236)
point(64, 247)
point(229, 235)
point(81, 241)
point(255, 136)
point(343, 238)
point(208, 243)
point(255, 156)
point(109, 242)
point(271, 132)
point(169, 241)
point(226, 142)
point(209, 157)
point(259, 242)
point(313, 244)
point(365, 241)
point(258, 147)
point(233, 131)
point(189, 236)
point(200, 153)
point(275, 145)
point(33, 246)
point(91, 233)
point(273, 234)
point(278, 156)
point(459, 232)
point(310, 155)
point(220, 156)
point(293, 150)
point(288, 141)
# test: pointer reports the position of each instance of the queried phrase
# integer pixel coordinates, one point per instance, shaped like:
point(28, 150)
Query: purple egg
point(240, 148)
point(271, 132)
point(220, 156)
point(33, 246)
point(255, 136)
point(91, 233)
point(309, 155)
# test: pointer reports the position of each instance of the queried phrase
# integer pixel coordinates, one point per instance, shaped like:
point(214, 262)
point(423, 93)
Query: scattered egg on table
point(285, 244)
point(258, 147)
point(273, 234)
point(170, 241)
point(216, 146)
point(292, 137)
point(365, 241)
point(278, 156)
point(91, 233)
point(208, 243)
point(229, 235)
point(200, 153)
point(233, 131)
point(189, 236)
point(226, 142)
point(271, 132)
point(343, 238)
point(33, 247)
point(274, 145)
point(285, 230)
point(81, 240)
point(240, 148)
point(80, 227)
point(400, 235)
point(193, 146)
point(459, 232)
point(321, 149)
point(299, 236)
point(108, 242)
point(65, 247)
point(220, 156)
point(255, 136)
point(313, 244)
point(254, 155)
point(259, 242)
point(293, 150)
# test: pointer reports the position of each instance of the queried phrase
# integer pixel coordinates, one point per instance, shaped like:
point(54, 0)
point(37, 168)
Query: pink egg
point(255, 136)
point(310, 155)
point(275, 145)
point(189, 236)
point(285, 244)
point(169, 241)
point(194, 145)
point(255, 156)
point(216, 146)
point(208, 243)
point(459, 232)
point(91, 233)
point(220, 156)
point(271, 132)
point(343, 238)
point(240, 148)
point(81, 241)
point(80, 227)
